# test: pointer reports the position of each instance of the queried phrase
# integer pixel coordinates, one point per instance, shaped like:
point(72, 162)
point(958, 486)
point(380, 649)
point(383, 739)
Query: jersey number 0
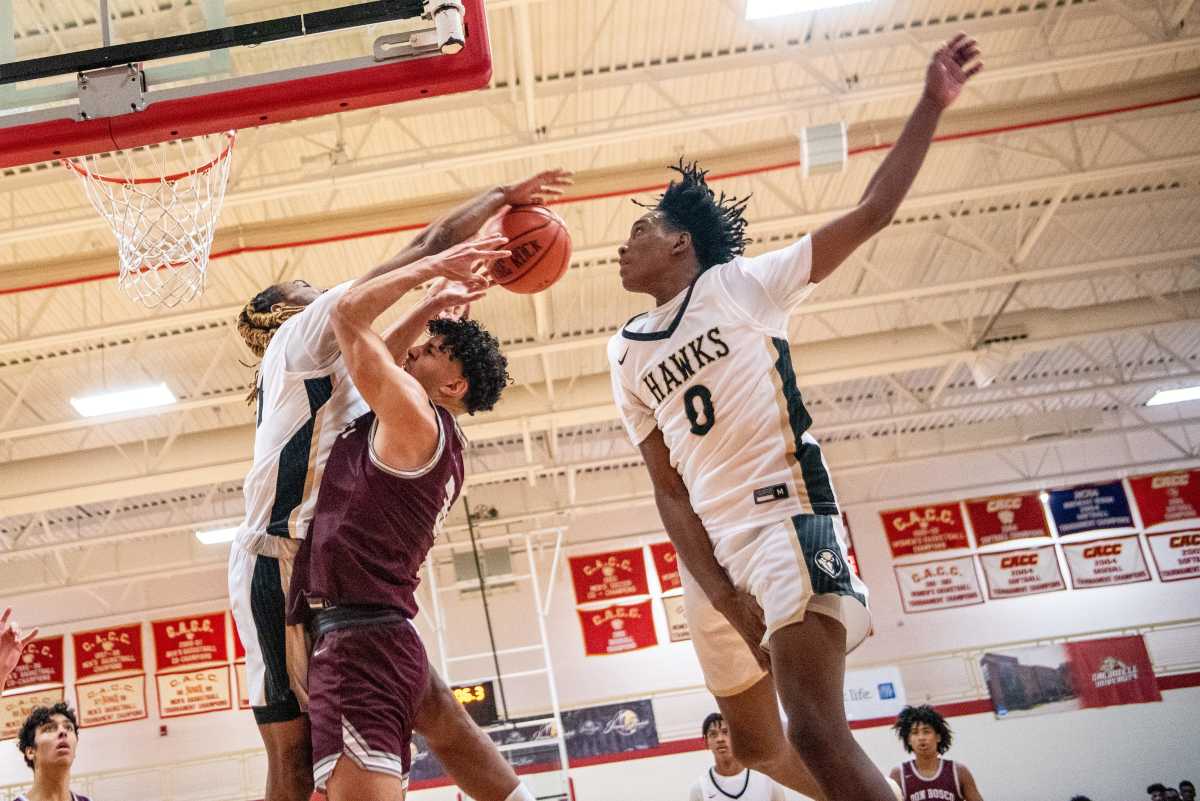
point(698, 405)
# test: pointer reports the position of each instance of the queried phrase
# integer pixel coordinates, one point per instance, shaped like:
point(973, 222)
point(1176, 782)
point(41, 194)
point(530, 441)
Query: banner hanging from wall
point(874, 693)
point(113, 650)
point(41, 662)
point(194, 692)
point(925, 529)
point(666, 564)
point(190, 657)
point(617, 629)
point(1176, 554)
point(677, 624)
point(111, 701)
point(1107, 562)
point(944, 584)
point(605, 576)
point(1070, 676)
point(1090, 507)
point(851, 556)
point(1010, 574)
point(116, 654)
point(1167, 497)
point(16, 707)
point(1007, 517)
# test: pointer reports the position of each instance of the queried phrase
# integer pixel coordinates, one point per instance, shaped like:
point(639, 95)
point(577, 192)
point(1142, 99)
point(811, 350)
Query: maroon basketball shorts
point(365, 684)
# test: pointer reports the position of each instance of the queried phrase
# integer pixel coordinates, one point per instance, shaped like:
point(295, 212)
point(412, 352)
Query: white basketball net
point(164, 225)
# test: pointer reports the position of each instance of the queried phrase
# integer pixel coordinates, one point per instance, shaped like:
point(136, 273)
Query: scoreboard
point(479, 700)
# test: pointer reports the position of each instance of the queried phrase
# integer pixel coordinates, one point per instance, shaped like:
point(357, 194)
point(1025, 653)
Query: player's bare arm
point(948, 73)
point(966, 782)
point(11, 644)
point(691, 540)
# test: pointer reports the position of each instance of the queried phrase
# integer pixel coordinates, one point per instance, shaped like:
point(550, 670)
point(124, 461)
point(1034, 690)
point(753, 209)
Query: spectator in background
point(11, 643)
point(1080, 798)
point(47, 742)
point(1171, 794)
point(1157, 791)
point(1187, 791)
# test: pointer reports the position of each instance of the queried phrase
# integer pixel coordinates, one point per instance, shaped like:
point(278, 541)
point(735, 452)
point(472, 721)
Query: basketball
point(541, 250)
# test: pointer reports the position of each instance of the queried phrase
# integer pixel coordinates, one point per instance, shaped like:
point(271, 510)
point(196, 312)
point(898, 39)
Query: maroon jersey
point(374, 525)
point(943, 786)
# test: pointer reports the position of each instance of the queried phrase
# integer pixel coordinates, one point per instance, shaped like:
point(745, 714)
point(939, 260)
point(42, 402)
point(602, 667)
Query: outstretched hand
point(468, 262)
point(451, 300)
point(948, 72)
point(538, 188)
point(11, 644)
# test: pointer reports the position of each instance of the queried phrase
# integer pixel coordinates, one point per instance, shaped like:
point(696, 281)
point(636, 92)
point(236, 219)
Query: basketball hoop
point(164, 225)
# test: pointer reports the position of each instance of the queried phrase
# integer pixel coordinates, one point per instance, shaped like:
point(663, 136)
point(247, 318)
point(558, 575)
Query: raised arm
point(11, 644)
point(947, 74)
point(686, 531)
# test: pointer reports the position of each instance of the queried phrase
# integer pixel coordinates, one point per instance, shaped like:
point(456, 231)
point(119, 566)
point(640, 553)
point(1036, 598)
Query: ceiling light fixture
point(764, 9)
point(1165, 396)
point(217, 535)
point(126, 400)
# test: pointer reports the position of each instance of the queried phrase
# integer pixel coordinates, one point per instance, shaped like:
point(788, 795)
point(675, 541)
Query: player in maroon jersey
point(389, 483)
point(927, 777)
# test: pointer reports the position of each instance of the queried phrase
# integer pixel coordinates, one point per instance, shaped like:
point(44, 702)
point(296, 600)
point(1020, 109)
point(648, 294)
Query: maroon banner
point(1112, 671)
point(1167, 497)
point(111, 701)
point(925, 529)
point(666, 563)
point(1007, 517)
point(16, 707)
point(1103, 563)
point(1010, 574)
point(617, 629)
point(604, 576)
point(944, 584)
point(41, 662)
point(239, 650)
point(851, 556)
point(115, 650)
point(185, 642)
point(1176, 554)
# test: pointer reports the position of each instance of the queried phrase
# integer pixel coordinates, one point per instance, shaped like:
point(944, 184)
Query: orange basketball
point(541, 249)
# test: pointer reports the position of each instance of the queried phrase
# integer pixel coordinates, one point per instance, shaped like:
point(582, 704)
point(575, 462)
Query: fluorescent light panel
point(1165, 396)
point(216, 536)
point(127, 400)
point(764, 9)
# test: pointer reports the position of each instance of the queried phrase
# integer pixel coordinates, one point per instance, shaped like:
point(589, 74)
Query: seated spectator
point(1171, 794)
point(47, 742)
point(1157, 792)
point(1187, 791)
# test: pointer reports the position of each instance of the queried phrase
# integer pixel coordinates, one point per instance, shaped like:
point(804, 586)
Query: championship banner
point(113, 701)
point(1167, 497)
point(874, 693)
point(1090, 507)
point(617, 629)
point(1070, 676)
point(1007, 517)
point(195, 692)
point(851, 556)
point(180, 643)
point(604, 576)
point(41, 662)
point(1176, 555)
point(944, 584)
point(1027, 572)
point(666, 563)
point(239, 668)
point(16, 707)
point(925, 529)
point(114, 650)
point(677, 624)
point(1103, 563)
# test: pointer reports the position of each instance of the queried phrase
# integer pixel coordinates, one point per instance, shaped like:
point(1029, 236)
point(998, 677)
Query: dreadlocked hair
point(717, 223)
point(483, 365)
point(258, 321)
point(910, 716)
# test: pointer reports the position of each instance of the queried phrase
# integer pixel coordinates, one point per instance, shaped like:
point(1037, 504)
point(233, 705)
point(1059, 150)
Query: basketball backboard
point(89, 76)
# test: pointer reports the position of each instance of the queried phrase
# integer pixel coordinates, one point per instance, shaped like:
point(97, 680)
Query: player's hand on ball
point(468, 261)
point(538, 188)
point(948, 72)
point(746, 616)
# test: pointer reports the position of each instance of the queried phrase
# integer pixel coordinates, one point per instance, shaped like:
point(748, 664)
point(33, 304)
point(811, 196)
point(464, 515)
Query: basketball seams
point(560, 239)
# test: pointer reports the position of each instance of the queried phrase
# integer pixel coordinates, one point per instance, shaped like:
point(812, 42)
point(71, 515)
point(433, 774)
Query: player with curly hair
point(305, 399)
point(926, 735)
point(47, 741)
point(707, 390)
point(391, 479)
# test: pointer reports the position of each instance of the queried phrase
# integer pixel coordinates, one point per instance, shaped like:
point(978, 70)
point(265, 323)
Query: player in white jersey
point(707, 390)
point(728, 778)
point(305, 399)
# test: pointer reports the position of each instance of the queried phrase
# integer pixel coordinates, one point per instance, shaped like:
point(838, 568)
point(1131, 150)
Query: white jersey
point(745, 786)
point(306, 398)
point(712, 369)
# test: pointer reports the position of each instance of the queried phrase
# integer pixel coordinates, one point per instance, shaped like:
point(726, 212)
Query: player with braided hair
point(306, 398)
point(707, 390)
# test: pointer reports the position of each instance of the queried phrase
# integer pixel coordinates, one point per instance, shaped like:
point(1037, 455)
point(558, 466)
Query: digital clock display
point(479, 700)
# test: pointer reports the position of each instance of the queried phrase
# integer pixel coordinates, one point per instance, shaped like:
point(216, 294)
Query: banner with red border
point(617, 629)
point(677, 623)
point(1167, 497)
point(925, 529)
point(16, 707)
point(1004, 518)
point(604, 576)
point(194, 692)
point(102, 703)
point(41, 662)
point(666, 564)
point(185, 642)
point(112, 650)
point(1106, 562)
point(1031, 571)
point(942, 584)
point(1176, 554)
